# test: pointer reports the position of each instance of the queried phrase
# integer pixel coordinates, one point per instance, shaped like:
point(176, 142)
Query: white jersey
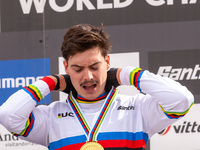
point(128, 123)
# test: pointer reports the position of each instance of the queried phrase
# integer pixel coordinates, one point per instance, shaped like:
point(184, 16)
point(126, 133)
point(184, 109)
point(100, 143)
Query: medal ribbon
point(78, 113)
point(94, 132)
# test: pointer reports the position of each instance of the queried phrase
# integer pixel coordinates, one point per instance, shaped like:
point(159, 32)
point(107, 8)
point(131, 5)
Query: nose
point(88, 75)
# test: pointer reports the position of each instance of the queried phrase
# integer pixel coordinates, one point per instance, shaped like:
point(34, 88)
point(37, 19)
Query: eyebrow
point(82, 66)
point(76, 66)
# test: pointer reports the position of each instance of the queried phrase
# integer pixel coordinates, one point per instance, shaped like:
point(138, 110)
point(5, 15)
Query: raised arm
point(19, 113)
point(164, 100)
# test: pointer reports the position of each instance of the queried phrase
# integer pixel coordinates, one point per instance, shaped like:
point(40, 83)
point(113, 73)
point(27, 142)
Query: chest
point(121, 116)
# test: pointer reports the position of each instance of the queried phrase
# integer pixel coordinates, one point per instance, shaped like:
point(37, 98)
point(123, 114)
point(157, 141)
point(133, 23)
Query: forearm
point(15, 112)
point(166, 92)
point(118, 75)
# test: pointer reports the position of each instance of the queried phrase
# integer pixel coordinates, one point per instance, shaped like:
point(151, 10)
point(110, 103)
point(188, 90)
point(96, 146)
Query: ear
point(107, 59)
point(66, 66)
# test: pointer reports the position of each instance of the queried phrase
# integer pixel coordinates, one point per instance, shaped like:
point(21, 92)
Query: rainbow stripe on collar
point(81, 99)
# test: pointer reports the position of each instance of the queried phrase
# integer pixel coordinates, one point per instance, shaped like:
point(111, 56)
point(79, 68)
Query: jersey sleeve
point(22, 118)
point(164, 100)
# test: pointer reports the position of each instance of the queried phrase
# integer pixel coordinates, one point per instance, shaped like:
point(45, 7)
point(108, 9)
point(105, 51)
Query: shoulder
point(57, 103)
point(136, 99)
point(54, 106)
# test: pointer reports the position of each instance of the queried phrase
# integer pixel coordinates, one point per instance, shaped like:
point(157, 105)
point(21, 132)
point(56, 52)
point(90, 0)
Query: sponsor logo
point(17, 82)
point(180, 73)
point(15, 74)
point(125, 108)
point(186, 70)
point(70, 114)
point(186, 127)
point(8, 137)
point(9, 140)
point(164, 131)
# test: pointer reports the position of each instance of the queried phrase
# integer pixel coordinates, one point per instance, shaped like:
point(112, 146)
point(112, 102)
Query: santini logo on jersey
point(70, 114)
point(125, 108)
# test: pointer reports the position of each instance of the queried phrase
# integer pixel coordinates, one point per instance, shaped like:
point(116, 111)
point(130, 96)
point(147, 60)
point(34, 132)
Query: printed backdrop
point(163, 33)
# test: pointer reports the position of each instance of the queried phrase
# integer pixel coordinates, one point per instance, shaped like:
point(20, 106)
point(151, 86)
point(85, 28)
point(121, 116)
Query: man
point(95, 116)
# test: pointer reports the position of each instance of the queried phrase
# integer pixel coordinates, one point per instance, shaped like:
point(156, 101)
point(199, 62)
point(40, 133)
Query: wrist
point(50, 82)
point(118, 75)
point(56, 80)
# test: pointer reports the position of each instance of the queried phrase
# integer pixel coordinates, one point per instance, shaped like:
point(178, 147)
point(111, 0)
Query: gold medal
point(92, 146)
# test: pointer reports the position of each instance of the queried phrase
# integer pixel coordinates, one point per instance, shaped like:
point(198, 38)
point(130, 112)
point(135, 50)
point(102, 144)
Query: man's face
point(88, 72)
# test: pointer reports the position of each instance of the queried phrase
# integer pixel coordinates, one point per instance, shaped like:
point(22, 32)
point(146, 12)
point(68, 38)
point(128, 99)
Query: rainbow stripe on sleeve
point(28, 127)
point(135, 76)
point(175, 115)
point(34, 92)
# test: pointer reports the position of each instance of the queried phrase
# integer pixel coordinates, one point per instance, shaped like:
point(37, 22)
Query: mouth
point(89, 86)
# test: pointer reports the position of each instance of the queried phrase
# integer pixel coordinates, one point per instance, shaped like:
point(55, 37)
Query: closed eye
point(95, 66)
point(77, 68)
